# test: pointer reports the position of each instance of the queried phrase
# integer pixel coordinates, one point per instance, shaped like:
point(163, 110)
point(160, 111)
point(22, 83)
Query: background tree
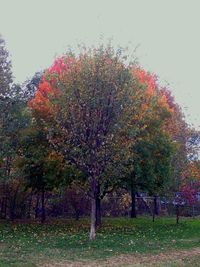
point(5, 69)
point(150, 154)
point(43, 168)
point(13, 120)
point(29, 87)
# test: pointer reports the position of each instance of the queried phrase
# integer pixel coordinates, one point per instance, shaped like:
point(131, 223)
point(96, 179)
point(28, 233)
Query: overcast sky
point(166, 32)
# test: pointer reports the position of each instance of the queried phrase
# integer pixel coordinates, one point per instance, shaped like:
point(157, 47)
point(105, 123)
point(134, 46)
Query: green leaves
point(5, 70)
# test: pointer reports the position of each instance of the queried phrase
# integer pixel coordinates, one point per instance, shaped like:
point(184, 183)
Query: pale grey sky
point(167, 32)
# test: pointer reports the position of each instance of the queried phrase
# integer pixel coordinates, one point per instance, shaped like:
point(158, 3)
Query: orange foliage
point(152, 89)
point(59, 72)
point(193, 171)
point(149, 80)
point(48, 87)
point(174, 124)
point(42, 99)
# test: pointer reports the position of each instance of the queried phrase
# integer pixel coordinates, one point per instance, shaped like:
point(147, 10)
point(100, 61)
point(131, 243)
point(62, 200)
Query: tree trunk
point(43, 216)
point(29, 207)
point(77, 215)
point(13, 204)
point(98, 211)
point(155, 207)
point(3, 208)
point(98, 207)
point(37, 207)
point(93, 218)
point(193, 211)
point(12, 209)
point(5, 201)
point(177, 214)
point(133, 204)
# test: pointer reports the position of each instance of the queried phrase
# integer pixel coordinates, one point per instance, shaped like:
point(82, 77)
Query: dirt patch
point(133, 259)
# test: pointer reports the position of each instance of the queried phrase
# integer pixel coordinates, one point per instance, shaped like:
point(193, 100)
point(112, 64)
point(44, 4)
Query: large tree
point(91, 100)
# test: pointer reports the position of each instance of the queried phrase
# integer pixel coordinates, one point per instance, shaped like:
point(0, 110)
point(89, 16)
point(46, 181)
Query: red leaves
point(188, 193)
point(42, 101)
point(48, 87)
point(62, 72)
point(191, 182)
point(61, 65)
point(165, 100)
point(147, 79)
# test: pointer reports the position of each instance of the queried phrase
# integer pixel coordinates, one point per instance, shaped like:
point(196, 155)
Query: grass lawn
point(29, 245)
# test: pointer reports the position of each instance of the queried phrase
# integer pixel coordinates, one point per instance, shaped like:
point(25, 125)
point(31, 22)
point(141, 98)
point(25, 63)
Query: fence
point(75, 204)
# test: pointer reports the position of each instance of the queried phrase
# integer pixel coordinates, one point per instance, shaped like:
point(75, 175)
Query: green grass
point(29, 245)
point(186, 262)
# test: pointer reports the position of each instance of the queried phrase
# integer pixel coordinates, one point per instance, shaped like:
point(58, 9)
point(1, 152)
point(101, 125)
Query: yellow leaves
point(163, 102)
point(192, 171)
point(54, 155)
point(125, 201)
